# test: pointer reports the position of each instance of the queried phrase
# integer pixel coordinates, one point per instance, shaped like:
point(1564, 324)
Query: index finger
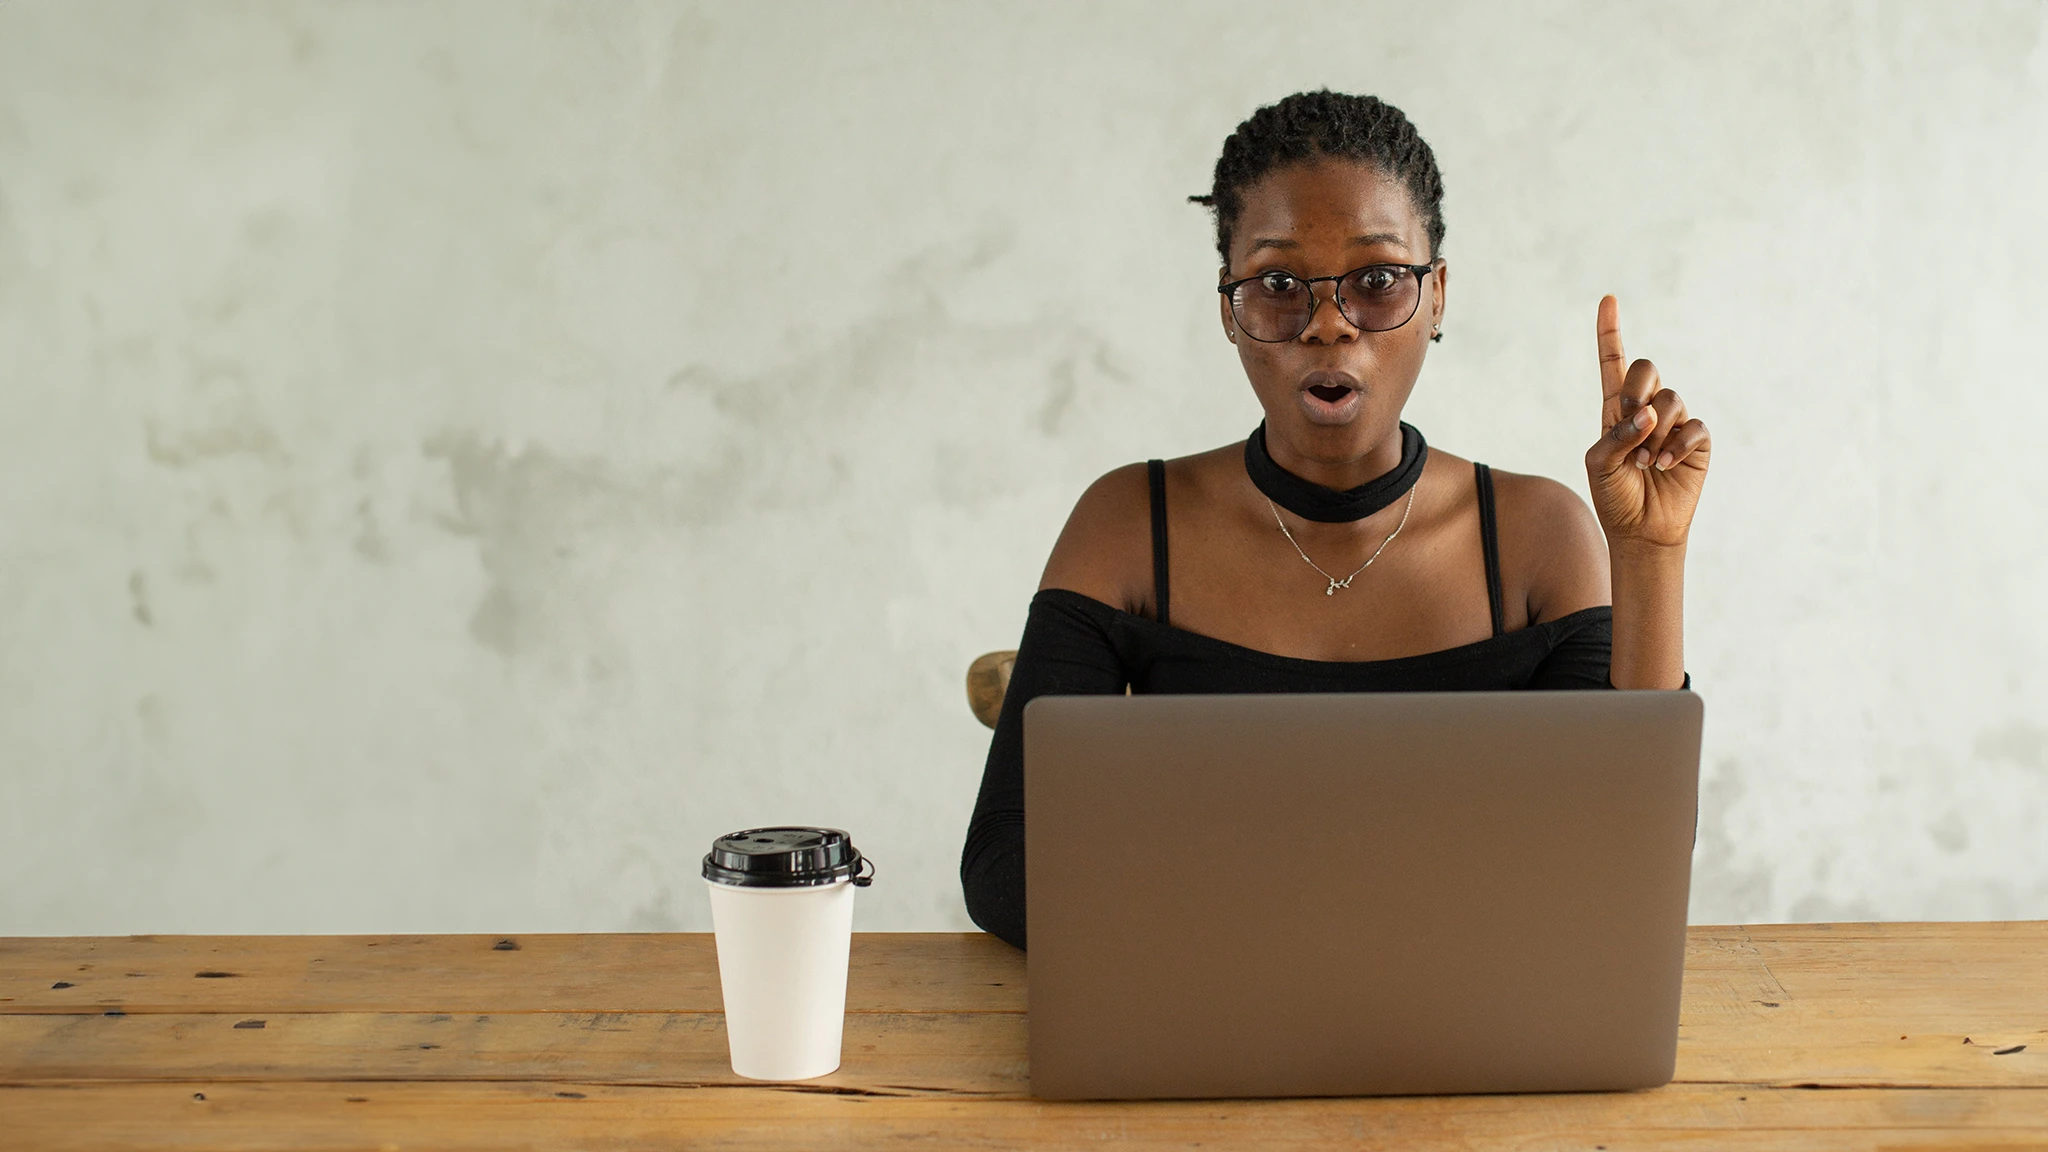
point(1613, 363)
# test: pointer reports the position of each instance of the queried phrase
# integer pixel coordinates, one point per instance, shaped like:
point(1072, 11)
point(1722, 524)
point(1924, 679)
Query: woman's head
point(1319, 185)
point(1326, 125)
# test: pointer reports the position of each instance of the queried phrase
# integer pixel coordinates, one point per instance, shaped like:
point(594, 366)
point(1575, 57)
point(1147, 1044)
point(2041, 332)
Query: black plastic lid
point(786, 858)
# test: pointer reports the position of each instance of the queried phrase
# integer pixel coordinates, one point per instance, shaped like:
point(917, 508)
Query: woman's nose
point(1326, 321)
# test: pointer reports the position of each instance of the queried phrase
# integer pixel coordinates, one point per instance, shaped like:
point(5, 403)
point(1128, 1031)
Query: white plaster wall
point(455, 459)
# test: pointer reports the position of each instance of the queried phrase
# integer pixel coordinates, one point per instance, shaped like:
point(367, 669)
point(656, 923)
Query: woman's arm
point(1096, 567)
point(1649, 616)
point(1646, 471)
point(1066, 651)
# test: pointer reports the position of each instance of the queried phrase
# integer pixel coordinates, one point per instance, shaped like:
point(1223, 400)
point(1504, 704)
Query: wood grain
point(899, 1053)
point(981, 1053)
point(1810, 1036)
point(567, 1114)
point(625, 972)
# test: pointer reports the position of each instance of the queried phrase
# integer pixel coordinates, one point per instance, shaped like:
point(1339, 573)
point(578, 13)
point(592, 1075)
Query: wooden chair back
point(988, 680)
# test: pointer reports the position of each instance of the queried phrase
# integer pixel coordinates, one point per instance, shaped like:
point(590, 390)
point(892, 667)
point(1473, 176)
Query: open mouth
point(1330, 397)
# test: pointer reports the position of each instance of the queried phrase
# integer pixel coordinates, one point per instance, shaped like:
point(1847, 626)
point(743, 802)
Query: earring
point(1436, 335)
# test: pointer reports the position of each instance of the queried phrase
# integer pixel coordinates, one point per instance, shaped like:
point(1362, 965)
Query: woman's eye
point(1378, 279)
point(1278, 282)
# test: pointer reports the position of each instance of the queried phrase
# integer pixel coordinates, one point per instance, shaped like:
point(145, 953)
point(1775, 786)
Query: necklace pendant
point(1332, 589)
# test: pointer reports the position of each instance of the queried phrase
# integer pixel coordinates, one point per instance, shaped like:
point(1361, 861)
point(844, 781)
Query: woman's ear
point(1223, 302)
point(1442, 277)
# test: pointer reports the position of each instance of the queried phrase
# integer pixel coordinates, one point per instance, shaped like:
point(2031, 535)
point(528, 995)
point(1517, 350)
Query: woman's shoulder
point(1542, 508)
point(1105, 550)
point(1551, 545)
point(1106, 541)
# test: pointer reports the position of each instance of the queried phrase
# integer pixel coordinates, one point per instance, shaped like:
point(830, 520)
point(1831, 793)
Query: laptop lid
point(1355, 894)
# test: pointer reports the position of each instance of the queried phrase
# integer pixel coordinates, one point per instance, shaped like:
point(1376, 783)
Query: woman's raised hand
point(1651, 459)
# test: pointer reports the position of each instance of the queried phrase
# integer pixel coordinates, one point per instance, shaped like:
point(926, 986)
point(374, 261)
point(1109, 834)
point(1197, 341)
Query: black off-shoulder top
point(1076, 645)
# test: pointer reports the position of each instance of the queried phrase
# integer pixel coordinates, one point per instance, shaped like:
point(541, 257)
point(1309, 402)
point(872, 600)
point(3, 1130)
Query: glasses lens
point(1273, 307)
point(1379, 298)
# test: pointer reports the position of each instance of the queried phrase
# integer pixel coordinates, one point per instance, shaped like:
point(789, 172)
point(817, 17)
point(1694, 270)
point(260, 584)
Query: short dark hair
point(1309, 125)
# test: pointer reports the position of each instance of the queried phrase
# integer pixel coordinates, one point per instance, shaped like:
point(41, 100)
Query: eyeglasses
point(1275, 307)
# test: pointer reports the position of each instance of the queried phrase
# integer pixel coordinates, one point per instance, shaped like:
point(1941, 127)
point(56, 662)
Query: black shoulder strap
point(1489, 542)
point(1155, 471)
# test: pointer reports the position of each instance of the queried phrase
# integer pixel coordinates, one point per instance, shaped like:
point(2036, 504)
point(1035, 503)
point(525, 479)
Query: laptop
point(1357, 894)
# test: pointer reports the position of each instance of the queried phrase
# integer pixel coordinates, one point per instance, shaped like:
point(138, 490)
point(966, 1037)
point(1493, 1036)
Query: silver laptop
point(1336, 895)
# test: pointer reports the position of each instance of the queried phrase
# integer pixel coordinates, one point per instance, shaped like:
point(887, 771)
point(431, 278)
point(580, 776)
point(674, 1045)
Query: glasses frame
point(1229, 291)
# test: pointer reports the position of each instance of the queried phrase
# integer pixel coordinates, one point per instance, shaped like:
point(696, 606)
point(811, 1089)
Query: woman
point(1333, 551)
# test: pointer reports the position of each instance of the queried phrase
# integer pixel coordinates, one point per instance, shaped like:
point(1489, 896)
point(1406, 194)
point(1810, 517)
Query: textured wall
point(457, 458)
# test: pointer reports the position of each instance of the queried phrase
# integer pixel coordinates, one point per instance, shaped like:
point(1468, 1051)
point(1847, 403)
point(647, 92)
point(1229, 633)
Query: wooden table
point(1810, 1036)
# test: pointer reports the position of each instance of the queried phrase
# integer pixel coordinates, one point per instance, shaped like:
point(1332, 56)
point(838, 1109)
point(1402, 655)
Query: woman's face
point(1333, 393)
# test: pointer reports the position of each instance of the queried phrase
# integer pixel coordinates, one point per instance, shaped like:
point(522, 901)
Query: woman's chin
point(1331, 413)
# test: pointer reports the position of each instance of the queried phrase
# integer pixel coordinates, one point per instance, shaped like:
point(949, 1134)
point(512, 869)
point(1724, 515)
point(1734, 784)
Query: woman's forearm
point(1649, 614)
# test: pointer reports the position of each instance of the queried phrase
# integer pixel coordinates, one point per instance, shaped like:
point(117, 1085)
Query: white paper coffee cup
point(782, 909)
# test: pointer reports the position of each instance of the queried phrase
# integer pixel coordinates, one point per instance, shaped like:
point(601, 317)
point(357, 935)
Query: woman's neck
point(1336, 491)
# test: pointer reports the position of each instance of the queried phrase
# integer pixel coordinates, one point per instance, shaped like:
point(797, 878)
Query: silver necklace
point(1345, 582)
